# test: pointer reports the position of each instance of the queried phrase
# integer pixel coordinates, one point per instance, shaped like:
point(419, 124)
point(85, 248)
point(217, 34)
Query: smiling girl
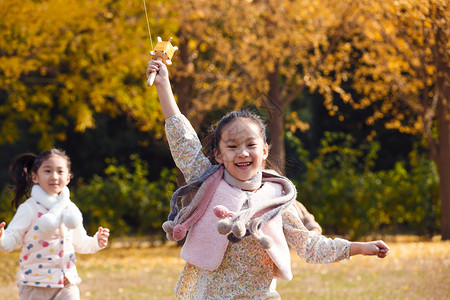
point(241, 218)
point(48, 226)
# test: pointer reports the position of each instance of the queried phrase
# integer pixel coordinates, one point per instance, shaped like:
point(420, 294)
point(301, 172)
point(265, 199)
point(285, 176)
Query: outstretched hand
point(378, 248)
point(383, 249)
point(2, 226)
point(103, 235)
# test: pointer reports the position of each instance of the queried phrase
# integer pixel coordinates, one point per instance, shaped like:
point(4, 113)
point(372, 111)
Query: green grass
point(413, 270)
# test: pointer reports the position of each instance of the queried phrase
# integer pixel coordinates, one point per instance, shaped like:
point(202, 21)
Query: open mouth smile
point(244, 164)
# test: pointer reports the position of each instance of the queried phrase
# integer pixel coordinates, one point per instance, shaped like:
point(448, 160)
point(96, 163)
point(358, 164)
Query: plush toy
point(226, 226)
point(63, 211)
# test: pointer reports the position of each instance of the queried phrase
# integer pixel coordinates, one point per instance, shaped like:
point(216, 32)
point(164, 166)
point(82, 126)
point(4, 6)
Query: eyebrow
point(249, 139)
point(49, 166)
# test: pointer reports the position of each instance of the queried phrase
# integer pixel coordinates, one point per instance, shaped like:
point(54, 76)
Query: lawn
point(413, 270)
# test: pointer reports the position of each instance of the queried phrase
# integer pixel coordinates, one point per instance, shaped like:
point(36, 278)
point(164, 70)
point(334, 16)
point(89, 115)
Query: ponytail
point(20, 171)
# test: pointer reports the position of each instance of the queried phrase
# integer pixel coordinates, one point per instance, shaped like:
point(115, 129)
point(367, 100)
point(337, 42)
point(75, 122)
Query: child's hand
point(383, 249)
point(378, 248)
point(160, 68)
point(103, 235)
point(2, 225)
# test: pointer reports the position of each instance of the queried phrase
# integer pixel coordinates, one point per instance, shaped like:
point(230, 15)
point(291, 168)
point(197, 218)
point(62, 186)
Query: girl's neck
point(250, 185)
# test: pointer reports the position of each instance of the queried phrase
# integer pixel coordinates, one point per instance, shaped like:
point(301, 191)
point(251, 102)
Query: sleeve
point(185, 147)
point(16, 229)
point(311, 246)
point(83, 243)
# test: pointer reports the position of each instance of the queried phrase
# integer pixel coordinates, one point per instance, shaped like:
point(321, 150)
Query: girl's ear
point(34, 178)
point(218, 156)
point(68, 178)
point(265, 151)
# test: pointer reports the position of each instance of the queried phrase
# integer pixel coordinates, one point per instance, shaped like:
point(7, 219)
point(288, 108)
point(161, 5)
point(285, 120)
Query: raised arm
point(162, 83)
point(183, 141)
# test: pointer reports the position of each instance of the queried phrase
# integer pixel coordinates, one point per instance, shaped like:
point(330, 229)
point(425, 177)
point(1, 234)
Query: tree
point(269, 52)
point(63, 62)
point(264, 53)
point(403, 74)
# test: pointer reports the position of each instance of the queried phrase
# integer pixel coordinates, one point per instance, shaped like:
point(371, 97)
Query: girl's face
point(242, 149)
point(53, 174)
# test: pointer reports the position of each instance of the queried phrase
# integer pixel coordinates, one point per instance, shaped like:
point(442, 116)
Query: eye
point(252, 144)
point(231, 146)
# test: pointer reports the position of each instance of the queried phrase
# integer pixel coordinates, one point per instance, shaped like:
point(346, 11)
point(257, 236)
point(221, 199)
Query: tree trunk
point(277, 149)
point(183, 87)
point(443, 161)
point(276, 122)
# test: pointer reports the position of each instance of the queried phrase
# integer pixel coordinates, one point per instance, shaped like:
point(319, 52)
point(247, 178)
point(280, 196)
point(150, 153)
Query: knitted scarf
point(60, 210)
point(236, 225)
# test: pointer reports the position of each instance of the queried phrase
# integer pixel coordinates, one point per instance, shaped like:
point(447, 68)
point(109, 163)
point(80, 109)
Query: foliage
point(124, 200)
point(234, 45)
point(338, 187)
point(401, 69)
point(6, 210)
point(262, 53)
point(63, 61)
point(404, 61)
point(389, 56)
point(346, 197)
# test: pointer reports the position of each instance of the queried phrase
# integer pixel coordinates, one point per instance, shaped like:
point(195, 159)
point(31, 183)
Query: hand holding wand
point(163, 52)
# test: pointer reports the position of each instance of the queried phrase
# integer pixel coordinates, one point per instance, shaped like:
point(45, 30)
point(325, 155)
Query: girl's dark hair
point(212, 139)
point(22, 168)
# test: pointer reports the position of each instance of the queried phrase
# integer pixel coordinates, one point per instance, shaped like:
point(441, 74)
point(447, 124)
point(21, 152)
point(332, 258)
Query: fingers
point(151, 69)
point(103, 231)
point(382, 245)
point(103, 235)
point(383, 249)
point(383, 254)
point(153, 66)
point(2, 225)
point(154, 62)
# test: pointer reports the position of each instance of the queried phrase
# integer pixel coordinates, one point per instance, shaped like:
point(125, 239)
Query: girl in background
point(240, 217)
point(48, 227)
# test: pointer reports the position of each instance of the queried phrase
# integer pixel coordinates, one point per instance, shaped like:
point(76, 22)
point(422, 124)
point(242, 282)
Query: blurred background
point(355, 95)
